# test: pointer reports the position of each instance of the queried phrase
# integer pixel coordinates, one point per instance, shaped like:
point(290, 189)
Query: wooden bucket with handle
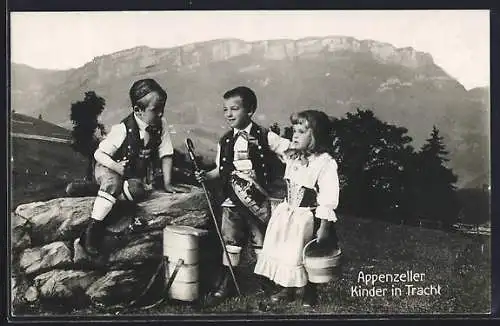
point(322, 264)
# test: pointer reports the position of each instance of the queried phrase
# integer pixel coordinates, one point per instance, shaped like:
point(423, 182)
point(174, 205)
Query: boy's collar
point(247, 129)
point(141, 124)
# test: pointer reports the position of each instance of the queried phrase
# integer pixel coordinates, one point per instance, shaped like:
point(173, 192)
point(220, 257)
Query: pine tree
point(87, 131)
point(434, 150)
point(435, 182)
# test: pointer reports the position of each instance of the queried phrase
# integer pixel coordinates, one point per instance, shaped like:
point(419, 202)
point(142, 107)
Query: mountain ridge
point(335, 42)
point(337, 74)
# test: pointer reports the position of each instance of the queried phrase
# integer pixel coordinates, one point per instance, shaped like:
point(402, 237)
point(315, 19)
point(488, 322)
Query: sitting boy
point(129, 156)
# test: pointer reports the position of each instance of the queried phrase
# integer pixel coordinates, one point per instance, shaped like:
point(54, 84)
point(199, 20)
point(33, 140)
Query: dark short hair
point(248, 97)
point(142, 87)
point(321, 127)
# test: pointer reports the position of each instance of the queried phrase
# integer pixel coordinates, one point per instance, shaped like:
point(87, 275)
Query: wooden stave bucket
point(184, 291)
point(186, 273)
point(182, 242)
point(322, 269)
point(185, 237)
point(189, 256)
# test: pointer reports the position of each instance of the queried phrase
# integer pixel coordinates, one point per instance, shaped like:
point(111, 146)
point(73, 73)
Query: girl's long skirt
point(288, 231)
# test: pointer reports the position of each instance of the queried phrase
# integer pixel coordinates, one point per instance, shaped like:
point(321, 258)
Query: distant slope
point(41, 169)
point(21, 123)
point(30, 86)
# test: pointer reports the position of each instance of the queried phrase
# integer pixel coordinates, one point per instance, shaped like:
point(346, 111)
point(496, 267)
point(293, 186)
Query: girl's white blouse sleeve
point(328, 191)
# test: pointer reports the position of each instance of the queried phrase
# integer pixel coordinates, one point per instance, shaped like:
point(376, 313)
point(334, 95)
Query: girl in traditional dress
point(308, 211)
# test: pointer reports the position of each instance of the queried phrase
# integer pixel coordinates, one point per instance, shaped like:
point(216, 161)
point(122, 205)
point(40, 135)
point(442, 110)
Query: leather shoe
point(92, 237)
point(265, 285)
point(310, 295)
point(286, 294)
point(226, 287)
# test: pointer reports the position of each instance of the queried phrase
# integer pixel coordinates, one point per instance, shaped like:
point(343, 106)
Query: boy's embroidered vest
point(132, 150)
point(259, 154)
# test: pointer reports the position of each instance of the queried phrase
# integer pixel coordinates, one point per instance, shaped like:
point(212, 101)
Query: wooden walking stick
point(190, 149)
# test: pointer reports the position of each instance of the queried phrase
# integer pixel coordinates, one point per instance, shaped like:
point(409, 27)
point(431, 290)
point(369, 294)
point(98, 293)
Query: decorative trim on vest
point(133, 150)
point(258, 151)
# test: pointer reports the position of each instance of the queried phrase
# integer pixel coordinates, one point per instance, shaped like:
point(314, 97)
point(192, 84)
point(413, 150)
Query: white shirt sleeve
point(166, 148)
point(277, 144)
point(113, 139)
point(217, 158)
point(328, 192)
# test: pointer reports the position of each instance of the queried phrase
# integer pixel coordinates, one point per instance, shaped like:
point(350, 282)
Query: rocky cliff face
point(221, 50)
point(177, 66)
point(129, 61)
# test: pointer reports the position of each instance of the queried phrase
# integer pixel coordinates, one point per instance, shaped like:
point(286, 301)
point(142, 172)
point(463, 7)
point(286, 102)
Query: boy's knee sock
point(234, 253)
point(257, 251)
point(102, 205)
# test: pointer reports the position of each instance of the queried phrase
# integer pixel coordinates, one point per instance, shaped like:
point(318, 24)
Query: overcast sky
point(457, 40)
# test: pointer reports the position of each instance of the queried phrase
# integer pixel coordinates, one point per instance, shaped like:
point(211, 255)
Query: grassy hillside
point(459, 264)
point(41, 169)
point(24, 124)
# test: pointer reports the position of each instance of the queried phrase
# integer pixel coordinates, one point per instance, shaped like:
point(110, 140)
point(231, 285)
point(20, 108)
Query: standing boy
point(127, 156)
point(243, 156)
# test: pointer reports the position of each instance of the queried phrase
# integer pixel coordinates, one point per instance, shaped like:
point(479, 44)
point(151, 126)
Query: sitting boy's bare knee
point(111, 186)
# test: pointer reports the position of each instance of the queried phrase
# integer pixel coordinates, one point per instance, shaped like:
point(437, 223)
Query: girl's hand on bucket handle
point(323, 232)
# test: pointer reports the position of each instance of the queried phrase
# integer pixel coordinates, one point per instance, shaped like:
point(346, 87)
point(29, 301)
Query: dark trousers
point(238, 226)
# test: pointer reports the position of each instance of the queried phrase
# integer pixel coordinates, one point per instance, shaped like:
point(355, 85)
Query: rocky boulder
point(55, 268)
point(63, 219)
point(20, 241)
point(53, 255)
point(137, 250)
point(124, 287)
point(64, 284)
point(54, 220)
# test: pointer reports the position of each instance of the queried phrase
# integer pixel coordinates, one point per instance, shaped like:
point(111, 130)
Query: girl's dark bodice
point(300, 196)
